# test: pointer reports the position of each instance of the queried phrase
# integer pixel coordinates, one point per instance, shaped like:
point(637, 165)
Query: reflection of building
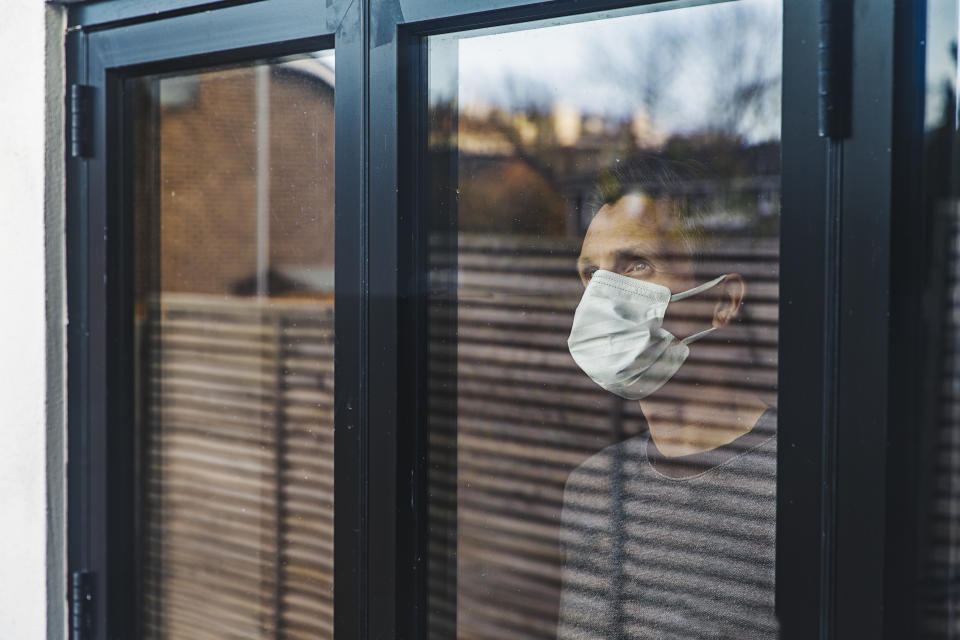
point(535, 172)
point(208, 192)
point(235, 409)
point(644, 131)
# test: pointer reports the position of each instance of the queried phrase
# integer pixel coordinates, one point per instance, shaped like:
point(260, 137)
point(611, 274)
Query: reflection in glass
point(233, 311)
point(938, 614)
point(602, 449)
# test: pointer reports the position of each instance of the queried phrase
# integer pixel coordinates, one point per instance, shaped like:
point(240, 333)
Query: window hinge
point(83, 605)
point(80, 120)
point(835, 67)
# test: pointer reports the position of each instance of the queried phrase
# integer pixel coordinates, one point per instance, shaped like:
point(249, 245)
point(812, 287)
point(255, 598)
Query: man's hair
point(661, 180)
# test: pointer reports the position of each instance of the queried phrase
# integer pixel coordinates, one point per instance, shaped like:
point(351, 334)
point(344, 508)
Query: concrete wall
point(32, 322)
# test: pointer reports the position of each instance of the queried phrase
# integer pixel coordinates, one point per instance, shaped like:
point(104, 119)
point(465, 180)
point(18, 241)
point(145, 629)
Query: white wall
point(31, 322)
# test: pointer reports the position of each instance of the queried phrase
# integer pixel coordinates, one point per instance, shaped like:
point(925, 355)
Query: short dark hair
point(657, 178)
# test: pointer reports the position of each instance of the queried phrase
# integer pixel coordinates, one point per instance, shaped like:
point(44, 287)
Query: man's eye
point(638, 267)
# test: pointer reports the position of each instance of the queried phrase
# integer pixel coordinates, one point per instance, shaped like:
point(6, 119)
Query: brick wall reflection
point(234, 378)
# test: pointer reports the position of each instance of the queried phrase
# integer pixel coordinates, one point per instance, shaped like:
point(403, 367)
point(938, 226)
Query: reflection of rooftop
point(484, 130)
point(181, 90)
point(287, 279)
point(312, 67)
point(209, 183)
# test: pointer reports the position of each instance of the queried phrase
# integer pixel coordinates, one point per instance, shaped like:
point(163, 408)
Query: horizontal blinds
point(237, 469)
point(522, 415)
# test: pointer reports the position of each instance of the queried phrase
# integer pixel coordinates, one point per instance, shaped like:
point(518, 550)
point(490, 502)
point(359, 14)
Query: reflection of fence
point(526, 415)
point(237, 470)
point(940, 598)
point(238, 443)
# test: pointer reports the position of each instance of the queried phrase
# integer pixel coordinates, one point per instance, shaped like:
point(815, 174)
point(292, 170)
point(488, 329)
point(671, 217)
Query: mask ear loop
point(697, 336)
point(692, 292)
point(698, 289)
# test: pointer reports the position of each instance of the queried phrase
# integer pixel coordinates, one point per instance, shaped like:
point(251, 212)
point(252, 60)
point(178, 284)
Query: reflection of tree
point(508, 196)
point(643, 72)
point(547, 147)
point(659, 71)
point(746, 90)
point(505, 180)
point(514, 157)
point(528, 132)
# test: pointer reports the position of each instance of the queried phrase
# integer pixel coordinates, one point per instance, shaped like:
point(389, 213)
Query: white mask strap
point(697, 336)
point(698, 289)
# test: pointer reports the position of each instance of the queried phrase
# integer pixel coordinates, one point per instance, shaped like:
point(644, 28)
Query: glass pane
point(233, 308)
point(939, 340)
point(604, 194)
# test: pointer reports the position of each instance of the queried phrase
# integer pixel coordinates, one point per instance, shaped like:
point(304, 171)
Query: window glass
point(939, 601)
point(604, 197)
point(233, 216)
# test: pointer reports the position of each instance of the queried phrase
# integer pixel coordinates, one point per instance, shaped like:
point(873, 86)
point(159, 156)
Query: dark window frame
point(836, 566)
point(101, 498)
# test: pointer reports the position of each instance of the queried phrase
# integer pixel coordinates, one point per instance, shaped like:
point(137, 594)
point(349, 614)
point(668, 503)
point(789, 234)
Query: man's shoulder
point(596, 471)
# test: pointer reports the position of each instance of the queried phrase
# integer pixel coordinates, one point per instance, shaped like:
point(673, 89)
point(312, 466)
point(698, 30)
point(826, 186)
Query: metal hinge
point(80, 120)
point(835, 69)
point(83, 605)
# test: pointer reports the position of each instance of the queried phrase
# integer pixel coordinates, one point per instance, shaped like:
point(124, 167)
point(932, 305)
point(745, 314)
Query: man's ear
point(732, 292)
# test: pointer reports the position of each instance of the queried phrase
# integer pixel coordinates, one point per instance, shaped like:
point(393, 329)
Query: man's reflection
point(671, 533)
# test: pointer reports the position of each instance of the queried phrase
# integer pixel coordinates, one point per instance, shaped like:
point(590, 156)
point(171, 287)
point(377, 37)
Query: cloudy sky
point(687, 67)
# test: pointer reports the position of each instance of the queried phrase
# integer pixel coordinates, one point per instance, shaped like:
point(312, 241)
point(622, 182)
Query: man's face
point(636, 236)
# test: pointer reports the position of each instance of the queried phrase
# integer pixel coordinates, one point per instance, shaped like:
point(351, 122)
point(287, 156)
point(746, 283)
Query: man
point(669, 534)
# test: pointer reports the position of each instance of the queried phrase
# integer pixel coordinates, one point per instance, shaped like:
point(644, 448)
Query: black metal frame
point(838, 575)
point(101, 451)
point(919, 273)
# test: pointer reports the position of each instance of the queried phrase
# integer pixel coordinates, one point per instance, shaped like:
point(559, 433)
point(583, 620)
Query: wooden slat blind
point(525, 415)
point(237, 469)
point(940, 598)
point(238, 445)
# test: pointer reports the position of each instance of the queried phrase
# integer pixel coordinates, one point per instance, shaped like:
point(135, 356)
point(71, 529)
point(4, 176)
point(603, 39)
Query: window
point(233, 324)
point(600, 451)
point(457, 451)
point(202, 462)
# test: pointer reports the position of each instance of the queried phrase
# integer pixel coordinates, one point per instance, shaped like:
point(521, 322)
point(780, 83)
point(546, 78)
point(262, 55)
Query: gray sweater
point(672, 547)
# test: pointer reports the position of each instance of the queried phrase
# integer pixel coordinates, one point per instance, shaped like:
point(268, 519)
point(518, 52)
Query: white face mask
point(617, 338)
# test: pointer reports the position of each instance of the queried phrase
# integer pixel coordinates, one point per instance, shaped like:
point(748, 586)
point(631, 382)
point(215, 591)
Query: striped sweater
point(672, 547)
